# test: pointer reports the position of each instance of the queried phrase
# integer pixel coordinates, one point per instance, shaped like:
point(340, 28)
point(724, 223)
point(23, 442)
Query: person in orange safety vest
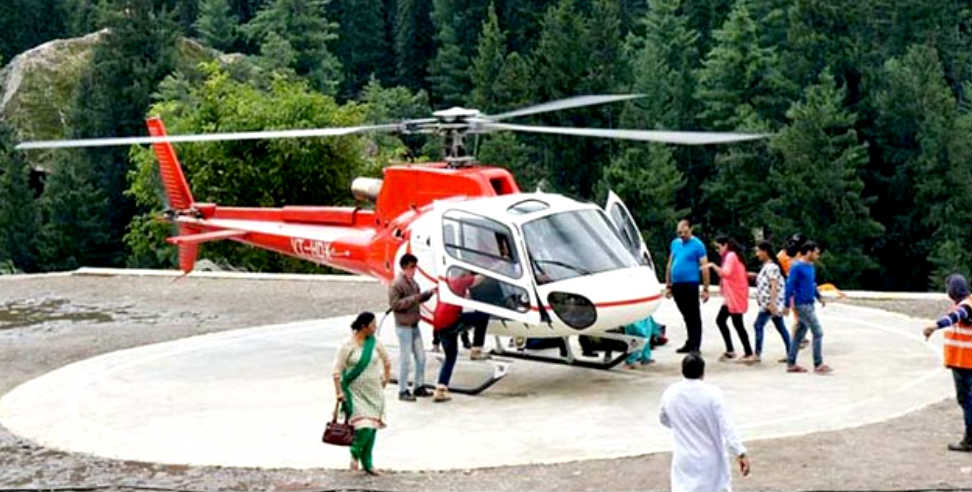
point(958, 350)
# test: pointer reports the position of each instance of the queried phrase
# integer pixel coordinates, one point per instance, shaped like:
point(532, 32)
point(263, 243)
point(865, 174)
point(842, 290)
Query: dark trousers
point(686, 296)
point(449, 337)
point(737, 322)
point(478, 321)
point(963, 392)
point(479, 332)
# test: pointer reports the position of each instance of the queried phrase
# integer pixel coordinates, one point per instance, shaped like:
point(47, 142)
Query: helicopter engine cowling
point(366, 189)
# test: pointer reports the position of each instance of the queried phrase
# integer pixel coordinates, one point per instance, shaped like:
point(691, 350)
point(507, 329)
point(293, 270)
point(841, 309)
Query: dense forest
point(868, 102)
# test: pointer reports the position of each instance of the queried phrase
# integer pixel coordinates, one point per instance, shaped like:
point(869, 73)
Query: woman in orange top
point(958, 350)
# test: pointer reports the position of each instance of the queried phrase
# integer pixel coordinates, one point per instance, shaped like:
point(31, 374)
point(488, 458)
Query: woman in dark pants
point(448, 322)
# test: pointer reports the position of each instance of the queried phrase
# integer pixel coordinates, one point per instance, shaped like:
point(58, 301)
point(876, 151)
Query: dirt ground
point(48, 322)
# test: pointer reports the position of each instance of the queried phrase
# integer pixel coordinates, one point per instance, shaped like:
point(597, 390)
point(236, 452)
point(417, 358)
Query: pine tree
point(216, 25)
point(18, 212)
point(362, 46)
point(488, 63)
point(663, 61)
point(448, 71)
point(303, 23)
point(414, 42)
point(564, 63)
point(74, 230)
point(820, 173)
point(925, 149)
point(646, 178)
point(740, 82)
point(112, 97)
point(25, 24)
point(83, 17)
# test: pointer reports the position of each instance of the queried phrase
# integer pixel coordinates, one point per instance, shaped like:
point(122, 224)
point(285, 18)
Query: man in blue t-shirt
point(687, 260)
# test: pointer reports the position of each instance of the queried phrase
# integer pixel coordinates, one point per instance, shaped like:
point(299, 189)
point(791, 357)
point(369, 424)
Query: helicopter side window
point(486, 289)
point(480, 241)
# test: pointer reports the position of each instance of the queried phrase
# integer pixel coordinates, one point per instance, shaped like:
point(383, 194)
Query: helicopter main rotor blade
point(571, 102)
point(103, 142)
point(661, 136)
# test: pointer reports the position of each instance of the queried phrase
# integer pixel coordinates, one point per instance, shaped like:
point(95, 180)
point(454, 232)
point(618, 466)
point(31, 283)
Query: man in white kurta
point(703, 429)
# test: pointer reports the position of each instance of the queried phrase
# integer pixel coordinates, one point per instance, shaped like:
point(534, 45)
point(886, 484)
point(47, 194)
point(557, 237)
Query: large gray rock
point(37, 86)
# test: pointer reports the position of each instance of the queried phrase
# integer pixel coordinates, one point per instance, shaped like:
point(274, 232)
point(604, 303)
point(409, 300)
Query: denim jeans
point(410, 345)
point(761, 320)
point(963, 392)
point(808, 321)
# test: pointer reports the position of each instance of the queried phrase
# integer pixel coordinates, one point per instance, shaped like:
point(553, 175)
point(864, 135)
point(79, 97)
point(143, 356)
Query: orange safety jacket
point(958, 341)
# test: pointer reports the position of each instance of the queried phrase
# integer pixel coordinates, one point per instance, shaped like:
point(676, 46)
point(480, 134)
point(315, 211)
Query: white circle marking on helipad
point(260, 396)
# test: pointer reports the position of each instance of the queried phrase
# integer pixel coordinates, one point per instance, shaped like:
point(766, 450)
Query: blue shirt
point(801, 285)
point(685, 259)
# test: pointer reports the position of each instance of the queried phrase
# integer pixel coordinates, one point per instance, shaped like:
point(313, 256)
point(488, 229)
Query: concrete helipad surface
point(259, 397)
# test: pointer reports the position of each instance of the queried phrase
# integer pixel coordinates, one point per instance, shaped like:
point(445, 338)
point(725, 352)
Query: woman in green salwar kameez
point(359, 382)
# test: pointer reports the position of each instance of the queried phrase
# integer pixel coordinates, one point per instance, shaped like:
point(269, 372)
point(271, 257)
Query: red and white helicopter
point(550, 266)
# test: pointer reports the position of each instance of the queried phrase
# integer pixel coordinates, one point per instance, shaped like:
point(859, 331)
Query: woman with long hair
point(359, 382)
point(769, 296)
point(734, 284)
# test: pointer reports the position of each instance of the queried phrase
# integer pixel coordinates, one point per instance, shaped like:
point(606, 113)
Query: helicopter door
point(482, 268)
point(627, 229)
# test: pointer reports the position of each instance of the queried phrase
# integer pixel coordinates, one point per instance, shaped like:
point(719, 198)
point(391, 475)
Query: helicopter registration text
point(311, 249)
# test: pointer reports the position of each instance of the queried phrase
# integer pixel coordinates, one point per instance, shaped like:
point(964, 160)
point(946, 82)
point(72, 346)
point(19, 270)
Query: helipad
point(259, 397)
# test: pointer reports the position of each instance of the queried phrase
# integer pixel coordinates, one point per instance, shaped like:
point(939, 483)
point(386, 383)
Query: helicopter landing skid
point(568, 359)
point(500, 370)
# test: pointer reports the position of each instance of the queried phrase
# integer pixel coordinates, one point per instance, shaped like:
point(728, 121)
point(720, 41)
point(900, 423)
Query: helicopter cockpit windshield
point(570, 244)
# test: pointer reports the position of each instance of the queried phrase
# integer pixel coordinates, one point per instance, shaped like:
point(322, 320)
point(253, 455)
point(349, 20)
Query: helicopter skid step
point(635, 343)
point(568, 360)
point(500, 369)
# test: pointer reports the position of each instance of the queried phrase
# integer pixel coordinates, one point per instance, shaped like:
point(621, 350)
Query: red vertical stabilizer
point(176, 189)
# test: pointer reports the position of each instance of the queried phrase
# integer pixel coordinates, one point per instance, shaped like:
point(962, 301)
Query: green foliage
point(488, 63)
point(647, 180)
point(277, 55)
point(662, 61)
point(902, 66)
point(304, 25)
point(135, 54)
point(740, 84)
point(413, 42)
point(75, 228)
point(573, 54)
point(18, 212)
point(393, 104)
point(216, 24)
point(925, 138)
point(500, 81)
point(25, 24)
point(448, 72)
point(818, 185)
point(362, 44)
point(254, 173)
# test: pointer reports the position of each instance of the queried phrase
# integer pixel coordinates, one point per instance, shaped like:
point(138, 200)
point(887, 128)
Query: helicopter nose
point(606, 300)
point(576, 311)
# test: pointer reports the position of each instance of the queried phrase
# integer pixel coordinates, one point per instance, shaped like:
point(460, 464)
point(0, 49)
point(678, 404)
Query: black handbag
point(338, 433)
